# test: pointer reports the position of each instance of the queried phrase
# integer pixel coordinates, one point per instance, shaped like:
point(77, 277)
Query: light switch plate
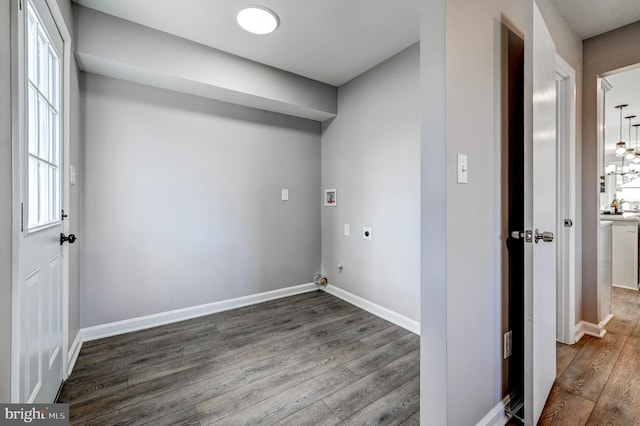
point(72, 175)
point(285, 195)
point(347, 230)
point(463, 169)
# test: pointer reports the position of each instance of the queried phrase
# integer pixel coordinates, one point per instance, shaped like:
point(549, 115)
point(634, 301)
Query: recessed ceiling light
point(258, 20)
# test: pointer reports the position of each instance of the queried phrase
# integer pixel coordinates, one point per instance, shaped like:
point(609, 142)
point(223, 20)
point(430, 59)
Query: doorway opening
point(619, 121)
point(513, 222)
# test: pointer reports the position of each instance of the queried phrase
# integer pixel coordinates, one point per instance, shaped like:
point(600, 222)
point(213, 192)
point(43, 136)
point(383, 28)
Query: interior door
point(38, 332)
point(540, 213)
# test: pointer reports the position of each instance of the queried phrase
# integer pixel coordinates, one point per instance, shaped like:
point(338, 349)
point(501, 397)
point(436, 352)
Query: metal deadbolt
point(71, 238)
point(546, 236)
point(517, 235)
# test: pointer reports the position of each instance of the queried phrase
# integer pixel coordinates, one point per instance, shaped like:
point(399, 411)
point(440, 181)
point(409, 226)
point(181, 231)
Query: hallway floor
point(598, 380)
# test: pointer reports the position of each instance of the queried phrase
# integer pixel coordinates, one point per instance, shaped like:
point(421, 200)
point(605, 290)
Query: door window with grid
point(43, 125)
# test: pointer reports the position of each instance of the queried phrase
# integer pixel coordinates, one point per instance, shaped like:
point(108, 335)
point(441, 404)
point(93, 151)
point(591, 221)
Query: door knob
point(546, 236)
point(71, 238)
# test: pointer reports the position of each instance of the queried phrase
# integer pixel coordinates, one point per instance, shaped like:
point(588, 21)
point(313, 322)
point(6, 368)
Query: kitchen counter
point(624, 216)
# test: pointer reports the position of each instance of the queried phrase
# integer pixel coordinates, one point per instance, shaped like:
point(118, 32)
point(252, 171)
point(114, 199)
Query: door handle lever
point(527, 235)
point(546, 236)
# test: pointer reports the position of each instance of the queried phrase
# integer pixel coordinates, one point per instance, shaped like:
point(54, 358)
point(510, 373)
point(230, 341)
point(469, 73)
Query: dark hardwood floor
point(598, 380)
point(309, 359)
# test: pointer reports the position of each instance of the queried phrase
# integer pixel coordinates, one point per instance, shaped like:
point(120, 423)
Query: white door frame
point(17, 124)
point(566, 167)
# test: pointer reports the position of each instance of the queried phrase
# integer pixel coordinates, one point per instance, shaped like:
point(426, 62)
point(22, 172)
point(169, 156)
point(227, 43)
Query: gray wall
point(602, 55)
point(182, 201)
point(461, 238)
point(76, 194)
point(370, 154)
point(461, 286)
point(75, 191)
point(5, 202)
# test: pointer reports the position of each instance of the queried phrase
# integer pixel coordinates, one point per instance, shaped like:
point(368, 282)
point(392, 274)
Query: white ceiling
point(589, 18)
point(331, 41)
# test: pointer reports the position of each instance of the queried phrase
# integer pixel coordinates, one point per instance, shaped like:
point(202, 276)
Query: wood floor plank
point(633, 343)
point(636, 330)
point(230, 372)
point(171, 362)
point(382, 356)
point(373, 386)
point(620, 400)
point(602, 364)
point(188, 416)
point(413, 420)
point(247, 396)
point(391, 409)
point(233, 353)
point(204, 322)
point(316, 414)
point(374, 360)
point(202, 391)
point(564, 356)
point(284, 404)
point(386, 335)
point(621, 325)
point(273, 363)
point(589, 372)
point(563, 408)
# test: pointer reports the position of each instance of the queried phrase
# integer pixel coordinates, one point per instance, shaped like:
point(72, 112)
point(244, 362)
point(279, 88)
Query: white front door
point(540, 214)
point(38, 310)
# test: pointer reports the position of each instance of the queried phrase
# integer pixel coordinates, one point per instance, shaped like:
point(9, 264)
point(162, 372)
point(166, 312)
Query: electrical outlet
point(508, 345)
point(463, 171)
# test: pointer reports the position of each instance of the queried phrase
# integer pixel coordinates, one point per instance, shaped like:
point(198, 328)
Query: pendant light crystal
point(621, 147)
point(636, 158)
point(630, 153)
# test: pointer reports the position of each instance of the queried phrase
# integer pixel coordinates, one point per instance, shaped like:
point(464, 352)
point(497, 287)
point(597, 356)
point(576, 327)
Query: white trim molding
point(162, 318)
point(497, 415)
point(591, 329)
point(74, 351)
point(384, 313)
point(568, 199)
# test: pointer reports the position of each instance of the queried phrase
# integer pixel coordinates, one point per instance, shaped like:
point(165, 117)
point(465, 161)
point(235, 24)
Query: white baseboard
point(591, 329)
point(74, 351)
point(626, 288)
point(384, 313)
point(149, 321)
point(496, 416)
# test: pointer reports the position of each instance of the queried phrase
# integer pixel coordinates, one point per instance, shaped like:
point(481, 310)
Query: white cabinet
point(624, 254)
